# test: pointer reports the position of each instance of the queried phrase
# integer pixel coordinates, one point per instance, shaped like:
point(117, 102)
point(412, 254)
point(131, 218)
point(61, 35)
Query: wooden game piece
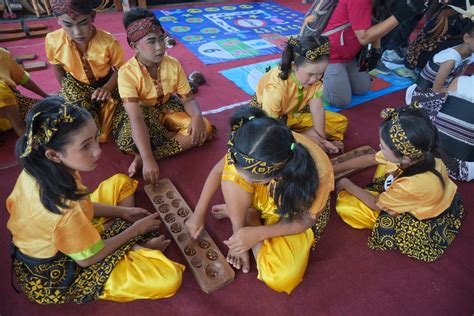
point(204, 258)
point(36, 65)
point(5, 37)
point(358, 152)
point(25, 57)
point(16, 29)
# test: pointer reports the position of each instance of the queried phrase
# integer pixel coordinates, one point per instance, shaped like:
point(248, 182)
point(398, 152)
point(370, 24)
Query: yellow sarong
point(335, 124)
point(282, 261)
point(142, 273)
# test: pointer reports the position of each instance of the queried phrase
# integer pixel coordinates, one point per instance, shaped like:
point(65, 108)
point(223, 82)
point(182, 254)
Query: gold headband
point(310, 54)
point(398, 135)
point(48, 128)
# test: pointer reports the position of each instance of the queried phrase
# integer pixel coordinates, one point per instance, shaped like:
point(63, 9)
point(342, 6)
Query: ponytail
point(271, 149)
point(296, 190)
point(287, 58)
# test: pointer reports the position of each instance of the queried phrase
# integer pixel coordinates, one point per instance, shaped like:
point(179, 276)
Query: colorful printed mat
point(247, 77)
point(224, 33)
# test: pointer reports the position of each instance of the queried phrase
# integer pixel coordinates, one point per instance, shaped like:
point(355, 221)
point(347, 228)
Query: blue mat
point(234, 31)
point(247, 77)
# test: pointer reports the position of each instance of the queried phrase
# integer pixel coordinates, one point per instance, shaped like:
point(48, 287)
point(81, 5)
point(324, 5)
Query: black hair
point(468, 27)
point(56, 183)
point(422, 134)
point(288, 55)
point(381, 10)
point(269, 140)
point(136, 14)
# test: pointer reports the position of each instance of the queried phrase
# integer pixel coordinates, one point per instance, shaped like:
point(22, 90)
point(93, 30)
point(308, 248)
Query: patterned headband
point(398, 135)
point(310, 54)
point(140, 28)
point(73, 8)
point(42, 134)
point(249, 163)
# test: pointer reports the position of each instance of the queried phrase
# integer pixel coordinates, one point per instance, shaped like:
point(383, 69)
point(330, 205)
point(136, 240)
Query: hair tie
point(292, 146)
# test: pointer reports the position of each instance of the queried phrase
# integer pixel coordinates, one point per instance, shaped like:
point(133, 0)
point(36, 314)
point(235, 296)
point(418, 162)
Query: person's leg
point(282, 261)
point(337, 86)
point(359, 80)
point(354, 212)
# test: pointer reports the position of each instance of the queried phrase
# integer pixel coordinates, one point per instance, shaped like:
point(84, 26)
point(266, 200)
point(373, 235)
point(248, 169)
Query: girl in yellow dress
point(14, 105)
point(85, 61)
point(276, 187)
point(412, 206)
point(293, 92)
point(58, 254)
point(160, 116)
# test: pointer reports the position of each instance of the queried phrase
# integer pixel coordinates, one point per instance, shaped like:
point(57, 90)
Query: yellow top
point(422, 195)
point(281, 97)
point(10, 72)
point(40, 233)
point(103, 52)
point(262, 199)
point(136, 84)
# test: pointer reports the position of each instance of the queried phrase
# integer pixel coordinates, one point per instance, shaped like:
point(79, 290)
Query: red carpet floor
point(344, 276)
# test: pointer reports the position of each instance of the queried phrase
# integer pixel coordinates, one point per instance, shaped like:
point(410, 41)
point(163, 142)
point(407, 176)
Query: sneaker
point(406, 73)
point(381, 69)
point(391, 56)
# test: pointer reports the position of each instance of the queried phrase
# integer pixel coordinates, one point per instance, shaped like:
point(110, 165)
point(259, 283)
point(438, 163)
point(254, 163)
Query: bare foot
point(239, 261)
point(158, 243)
point(220, 211)
point(135, 166)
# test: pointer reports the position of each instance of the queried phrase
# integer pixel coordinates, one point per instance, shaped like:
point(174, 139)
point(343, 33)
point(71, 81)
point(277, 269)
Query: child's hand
point(101, 94)
point(242, 240)
point(329, 147)
point(195, 225)
point(132, 214)
point(151, 171)
point(146, 224)
point(197, 130)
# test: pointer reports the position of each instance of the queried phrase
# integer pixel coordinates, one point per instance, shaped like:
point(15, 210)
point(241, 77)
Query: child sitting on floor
point(159, 117)
point(293, 92)
point(85, 61)
point(275, 177)
point(412, 206)
point(440, 71)
point(13, 105)
point(58, 254)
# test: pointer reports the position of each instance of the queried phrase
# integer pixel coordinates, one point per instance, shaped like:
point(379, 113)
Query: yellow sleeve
point(117, 54)
point(183, 89)
point(402, 196)
point(272, 100)
point(17, 73)
point(127, 86)
point(230, 174)
point(75, 235)
point(50, 50)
